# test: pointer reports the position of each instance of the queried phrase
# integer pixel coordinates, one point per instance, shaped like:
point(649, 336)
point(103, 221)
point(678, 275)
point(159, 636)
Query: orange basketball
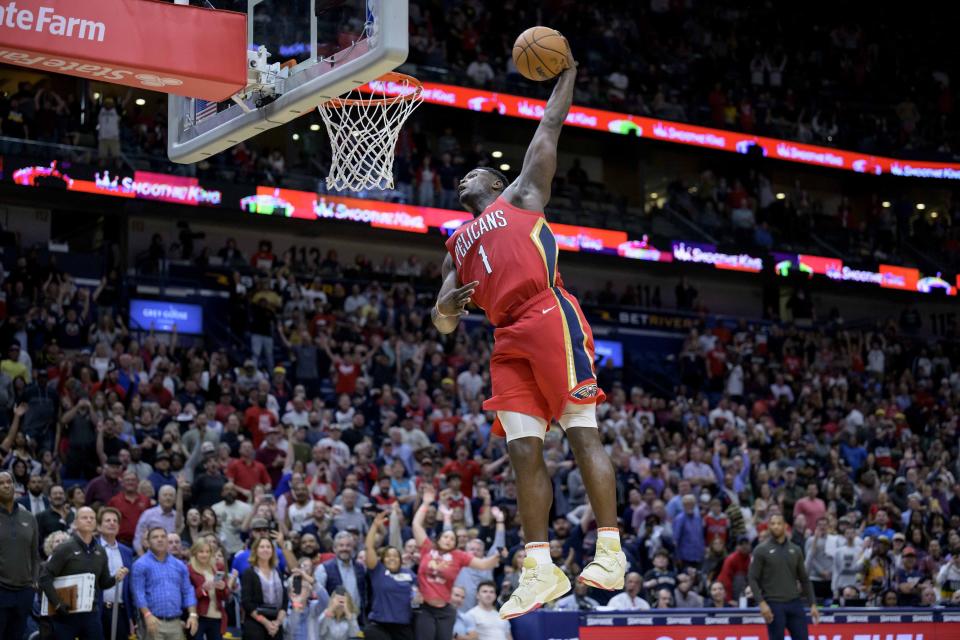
point(540, 53)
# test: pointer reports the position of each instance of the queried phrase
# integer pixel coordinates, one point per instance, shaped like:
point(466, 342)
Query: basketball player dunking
point(542, 364)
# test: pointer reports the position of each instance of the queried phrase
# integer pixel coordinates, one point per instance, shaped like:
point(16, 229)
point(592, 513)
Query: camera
point(297, 583)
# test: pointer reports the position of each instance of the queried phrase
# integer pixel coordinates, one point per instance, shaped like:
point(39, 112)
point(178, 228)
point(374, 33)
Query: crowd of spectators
point(348, 409)
point(856, 80)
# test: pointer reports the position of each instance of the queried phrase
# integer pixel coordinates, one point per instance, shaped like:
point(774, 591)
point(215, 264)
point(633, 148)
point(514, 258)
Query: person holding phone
point(302, 608)
point(212, 592)
point(262, 594)
point(392, 586)
point(339, 620)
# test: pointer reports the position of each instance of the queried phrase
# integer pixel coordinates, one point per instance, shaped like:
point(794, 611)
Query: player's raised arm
point(452, 299)
point(532, 189)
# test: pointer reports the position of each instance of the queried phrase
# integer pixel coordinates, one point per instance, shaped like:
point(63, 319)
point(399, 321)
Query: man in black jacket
point(775, 571)
point(78, 555)
point(19, 560)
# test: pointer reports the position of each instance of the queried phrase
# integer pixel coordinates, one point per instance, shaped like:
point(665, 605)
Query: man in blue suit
point(343, 570)
point(118, 555)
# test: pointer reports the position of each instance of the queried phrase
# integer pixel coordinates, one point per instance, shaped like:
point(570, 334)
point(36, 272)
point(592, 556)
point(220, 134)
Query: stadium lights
point(921, 206)
point(504, 167)
point(781, 196)
point(934, 214)
point(296, 136)
point(141, 102)
point(497, 154)
point(654, 195)
point(885, 204)
point(314, 127)
point(96, 95)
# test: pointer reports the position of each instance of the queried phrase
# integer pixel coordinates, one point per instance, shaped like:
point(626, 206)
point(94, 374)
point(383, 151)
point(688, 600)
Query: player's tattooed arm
point(452, 299)
point(531, 190)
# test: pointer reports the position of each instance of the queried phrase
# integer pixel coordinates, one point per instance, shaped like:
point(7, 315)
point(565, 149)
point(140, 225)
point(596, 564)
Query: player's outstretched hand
point(454, 302)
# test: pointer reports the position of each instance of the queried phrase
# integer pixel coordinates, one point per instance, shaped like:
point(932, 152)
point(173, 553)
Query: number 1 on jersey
point(483, 256)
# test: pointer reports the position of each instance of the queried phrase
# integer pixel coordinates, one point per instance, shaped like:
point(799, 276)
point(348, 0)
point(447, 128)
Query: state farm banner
point(190, 51)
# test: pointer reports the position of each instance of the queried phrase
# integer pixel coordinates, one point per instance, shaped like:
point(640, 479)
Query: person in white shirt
point(108, 130)
point(847, 558)
point(469, 384)
point(231, 514)
point(339, 450)
point(297, 415)
point(300, 511)
point(480, 71)
point(489, 624)
point(629, 599)
point(413, 435)
point(735, 381)
point(781, 388)
point(722, 410)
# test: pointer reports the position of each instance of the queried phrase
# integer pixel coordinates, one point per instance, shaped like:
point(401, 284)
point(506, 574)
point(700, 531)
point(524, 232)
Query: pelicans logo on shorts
point(585, 392)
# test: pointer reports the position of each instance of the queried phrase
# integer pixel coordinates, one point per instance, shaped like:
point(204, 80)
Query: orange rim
point(392, 76)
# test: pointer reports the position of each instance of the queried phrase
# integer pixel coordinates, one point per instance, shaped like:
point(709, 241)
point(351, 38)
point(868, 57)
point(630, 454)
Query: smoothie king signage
point(306, 205)
point(677, 132)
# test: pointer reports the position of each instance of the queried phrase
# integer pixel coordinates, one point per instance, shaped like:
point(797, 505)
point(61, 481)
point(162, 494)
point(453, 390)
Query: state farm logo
point(75, 67)
point(150, 80)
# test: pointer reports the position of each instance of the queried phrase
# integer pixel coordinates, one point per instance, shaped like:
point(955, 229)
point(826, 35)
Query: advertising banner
point(677, 132)
point(823, 631)
point(190, 51)
point(307, 205)
point(739, 624)
point(165, 315)
point(142, 184)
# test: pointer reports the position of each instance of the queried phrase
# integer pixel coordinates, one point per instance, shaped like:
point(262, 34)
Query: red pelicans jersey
point(511, 252)
point(543, 350)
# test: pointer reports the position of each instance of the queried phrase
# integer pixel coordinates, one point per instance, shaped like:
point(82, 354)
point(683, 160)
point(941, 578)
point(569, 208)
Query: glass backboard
point(324, 48)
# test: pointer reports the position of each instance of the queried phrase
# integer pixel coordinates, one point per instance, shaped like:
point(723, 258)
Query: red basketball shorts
point(543, 360)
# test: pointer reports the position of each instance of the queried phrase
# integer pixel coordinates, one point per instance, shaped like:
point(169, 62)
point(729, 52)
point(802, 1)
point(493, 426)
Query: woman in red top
point(212, 592)
point(440, 564)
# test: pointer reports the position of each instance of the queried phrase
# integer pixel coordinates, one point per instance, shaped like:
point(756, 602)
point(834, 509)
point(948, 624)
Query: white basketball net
point(364, 125)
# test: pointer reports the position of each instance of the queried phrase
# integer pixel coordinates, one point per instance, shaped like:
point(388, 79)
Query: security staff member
point(80, 554)
point(775, 571)
point(19, 560)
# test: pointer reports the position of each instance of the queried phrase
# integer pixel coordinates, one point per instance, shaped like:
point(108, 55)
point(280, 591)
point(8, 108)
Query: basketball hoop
point(364, 125)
